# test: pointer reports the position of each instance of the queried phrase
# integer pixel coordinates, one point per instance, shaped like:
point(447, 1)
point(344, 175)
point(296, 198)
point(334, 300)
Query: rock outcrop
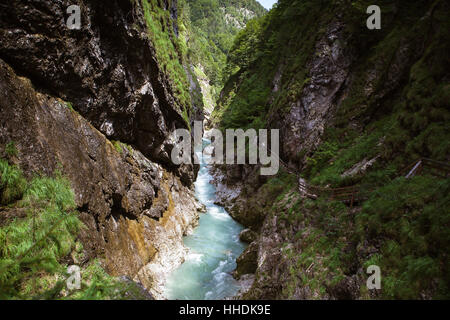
point(233, 185)
point(304, 124)
point(247, 261)
point(248, 235)
point(107, 70)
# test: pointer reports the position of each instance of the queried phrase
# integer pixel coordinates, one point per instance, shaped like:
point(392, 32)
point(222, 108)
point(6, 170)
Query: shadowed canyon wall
point(99, 106)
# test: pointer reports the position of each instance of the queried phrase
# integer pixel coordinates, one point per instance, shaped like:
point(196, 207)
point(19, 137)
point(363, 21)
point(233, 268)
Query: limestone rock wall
point(107, 70)
point(136, 212)
point(135, 203)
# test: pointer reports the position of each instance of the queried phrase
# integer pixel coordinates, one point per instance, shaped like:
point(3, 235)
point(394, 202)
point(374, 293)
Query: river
point(213, 248)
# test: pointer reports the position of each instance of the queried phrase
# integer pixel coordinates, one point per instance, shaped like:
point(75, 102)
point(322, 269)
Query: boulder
point(248, 235)
point(247, 261)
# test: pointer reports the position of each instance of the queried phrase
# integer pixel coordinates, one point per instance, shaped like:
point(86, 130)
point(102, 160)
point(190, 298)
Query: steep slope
point(353, 106)
point(208, 28)
point(66, 94)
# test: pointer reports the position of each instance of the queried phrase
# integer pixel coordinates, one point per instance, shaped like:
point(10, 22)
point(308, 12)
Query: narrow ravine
point(213, 249)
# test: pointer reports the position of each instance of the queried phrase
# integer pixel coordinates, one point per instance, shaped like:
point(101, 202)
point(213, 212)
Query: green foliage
point(407, 219)
point(169, 50)
point(280, 184)
point(256, 58)
point(336, 155)
point(98, 285)
point(69, 105)
point(395, 108)
point(36, 243)
point(242, 55)
point(117, 145)
point(412, 121)
point(32, 248)
point(11, 150)
point(207, 28)
point(411, 219)
point(12, 183)
point(419, 105)
point(319, 244)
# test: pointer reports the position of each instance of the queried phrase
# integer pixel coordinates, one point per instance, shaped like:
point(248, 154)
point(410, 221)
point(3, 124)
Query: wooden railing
point(351, 195)
point(358, 193)
point(433, 167)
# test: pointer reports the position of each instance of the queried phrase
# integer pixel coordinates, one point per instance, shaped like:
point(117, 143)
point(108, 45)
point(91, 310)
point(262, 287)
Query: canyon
point(90, 119)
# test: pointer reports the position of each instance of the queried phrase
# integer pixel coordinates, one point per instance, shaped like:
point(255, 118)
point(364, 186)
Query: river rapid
point(213, 248)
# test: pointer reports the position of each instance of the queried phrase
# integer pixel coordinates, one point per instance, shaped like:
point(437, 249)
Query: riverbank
point(213, 249)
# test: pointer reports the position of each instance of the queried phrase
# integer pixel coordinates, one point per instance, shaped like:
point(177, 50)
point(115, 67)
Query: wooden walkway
point(356, 194)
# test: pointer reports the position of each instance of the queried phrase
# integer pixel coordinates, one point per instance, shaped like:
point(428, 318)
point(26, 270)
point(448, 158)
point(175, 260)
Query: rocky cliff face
point(66, 93)
point(339, 95)
point(107, 70)
point(304, 123)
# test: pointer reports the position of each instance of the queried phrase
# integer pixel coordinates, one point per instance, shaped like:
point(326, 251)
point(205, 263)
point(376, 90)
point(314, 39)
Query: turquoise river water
point(213, 249)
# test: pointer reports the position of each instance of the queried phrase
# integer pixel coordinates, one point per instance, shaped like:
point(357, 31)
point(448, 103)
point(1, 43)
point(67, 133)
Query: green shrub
point(409, 218)
point(168, 51)
point(12, 183)
point(11, 150)
point(36, 243)
point(117, 145)
point(32, 248)
point(70, 106)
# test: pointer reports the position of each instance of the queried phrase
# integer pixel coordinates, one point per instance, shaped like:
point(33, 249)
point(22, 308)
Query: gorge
point(89, 120)
point(214, 247)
